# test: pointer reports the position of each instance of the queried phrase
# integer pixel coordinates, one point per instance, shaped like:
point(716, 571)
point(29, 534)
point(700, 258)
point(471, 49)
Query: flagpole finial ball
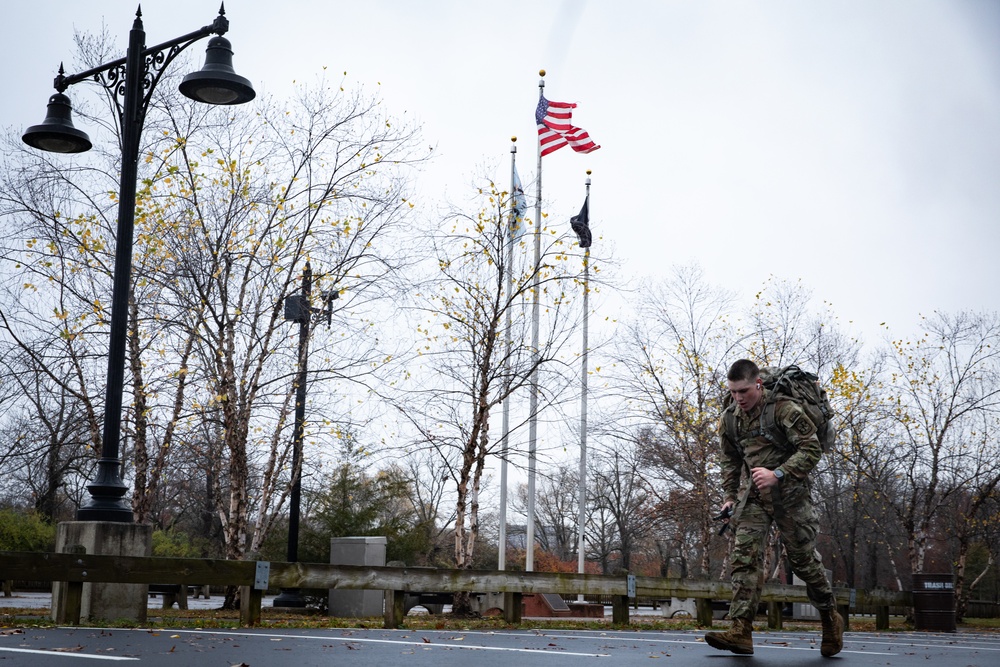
point(541, 72)
point(589, 172)
point(513, 139)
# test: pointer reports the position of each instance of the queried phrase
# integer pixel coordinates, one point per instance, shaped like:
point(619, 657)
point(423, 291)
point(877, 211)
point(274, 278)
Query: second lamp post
point(298, 309)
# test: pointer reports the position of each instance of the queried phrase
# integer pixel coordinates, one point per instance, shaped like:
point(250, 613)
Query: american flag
point(555, 128)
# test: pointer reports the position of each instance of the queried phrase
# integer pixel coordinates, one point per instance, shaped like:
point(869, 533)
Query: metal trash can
point(934, 602)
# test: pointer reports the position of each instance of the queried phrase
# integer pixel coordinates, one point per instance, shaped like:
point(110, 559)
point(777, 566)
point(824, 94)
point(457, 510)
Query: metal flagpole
point(529, 557)
point(511, 230)
point(583, 407)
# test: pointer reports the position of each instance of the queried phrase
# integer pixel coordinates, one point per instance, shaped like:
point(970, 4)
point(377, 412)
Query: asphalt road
point(90, 647)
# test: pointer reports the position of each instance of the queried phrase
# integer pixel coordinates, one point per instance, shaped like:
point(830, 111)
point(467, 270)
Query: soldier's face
point(746, 393)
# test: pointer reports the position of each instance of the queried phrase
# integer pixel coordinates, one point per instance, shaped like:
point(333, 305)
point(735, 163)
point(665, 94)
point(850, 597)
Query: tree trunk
point(144, 484)
point(961, 594)
point(464, 540)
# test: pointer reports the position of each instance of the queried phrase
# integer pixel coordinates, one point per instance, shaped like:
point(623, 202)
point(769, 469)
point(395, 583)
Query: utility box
point(297, 308)
point(346, 603)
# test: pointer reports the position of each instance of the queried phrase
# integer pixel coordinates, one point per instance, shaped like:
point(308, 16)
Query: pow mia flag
point(581, 224)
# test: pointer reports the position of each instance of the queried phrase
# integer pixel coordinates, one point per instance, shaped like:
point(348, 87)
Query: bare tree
point(853, 477)
point(429, 495)
point(946, 387)
point(620, 492)
point(319, 181)
point(231, 205)
point(671, 375)
point(556, 511)
point(47, 438)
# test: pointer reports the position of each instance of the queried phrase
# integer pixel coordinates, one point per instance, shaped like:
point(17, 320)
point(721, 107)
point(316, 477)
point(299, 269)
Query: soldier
point(765, 482)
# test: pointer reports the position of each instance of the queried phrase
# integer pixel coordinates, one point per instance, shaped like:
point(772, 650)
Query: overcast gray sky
point(853, 144)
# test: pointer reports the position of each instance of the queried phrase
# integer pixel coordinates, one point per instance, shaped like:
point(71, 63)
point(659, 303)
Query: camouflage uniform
point(788, 504)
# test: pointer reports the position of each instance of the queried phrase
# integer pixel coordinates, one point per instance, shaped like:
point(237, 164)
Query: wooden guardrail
point(254, 577)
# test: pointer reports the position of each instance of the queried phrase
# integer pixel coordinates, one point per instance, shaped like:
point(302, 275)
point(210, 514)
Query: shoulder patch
point(803, 426)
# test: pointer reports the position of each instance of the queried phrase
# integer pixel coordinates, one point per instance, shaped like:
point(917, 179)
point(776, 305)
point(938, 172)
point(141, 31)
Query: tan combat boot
point(738, 639)
point(833, 633)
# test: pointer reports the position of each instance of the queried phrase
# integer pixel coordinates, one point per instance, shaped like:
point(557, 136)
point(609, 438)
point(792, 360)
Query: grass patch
point(981, 624)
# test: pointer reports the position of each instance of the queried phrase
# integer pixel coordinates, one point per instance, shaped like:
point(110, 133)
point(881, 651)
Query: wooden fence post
point(69, 612)
point(619, 609)
point(774, 619)
point(250, 601)
point(71, 605)
point(704, 608)
point(394, 608)
point(882, 617)
point(512, 607)
point(845, 612)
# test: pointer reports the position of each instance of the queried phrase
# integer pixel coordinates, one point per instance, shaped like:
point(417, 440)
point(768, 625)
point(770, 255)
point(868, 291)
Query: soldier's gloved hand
point(724, 514)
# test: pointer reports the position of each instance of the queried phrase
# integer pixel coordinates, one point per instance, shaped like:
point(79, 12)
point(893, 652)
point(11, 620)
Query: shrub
point(178, 544)
point(25, 531)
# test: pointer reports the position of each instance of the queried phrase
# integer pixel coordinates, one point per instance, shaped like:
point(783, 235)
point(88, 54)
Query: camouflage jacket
point(796, 460)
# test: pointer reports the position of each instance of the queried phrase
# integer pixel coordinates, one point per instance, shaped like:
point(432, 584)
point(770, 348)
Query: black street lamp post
point(130, 82)
point(298, 309)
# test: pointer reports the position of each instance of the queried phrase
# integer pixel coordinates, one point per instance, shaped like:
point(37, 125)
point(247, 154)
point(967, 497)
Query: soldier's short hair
point(743, 370)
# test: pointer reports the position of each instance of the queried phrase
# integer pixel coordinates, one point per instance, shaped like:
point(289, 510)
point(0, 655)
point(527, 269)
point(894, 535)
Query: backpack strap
point(729, 421)
point(769, 426)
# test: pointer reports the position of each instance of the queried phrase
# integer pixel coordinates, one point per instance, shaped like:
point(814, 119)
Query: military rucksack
point(788, 382)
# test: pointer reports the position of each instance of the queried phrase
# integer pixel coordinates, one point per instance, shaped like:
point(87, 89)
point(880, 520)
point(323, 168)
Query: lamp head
point(56, 134)
point(216, 82)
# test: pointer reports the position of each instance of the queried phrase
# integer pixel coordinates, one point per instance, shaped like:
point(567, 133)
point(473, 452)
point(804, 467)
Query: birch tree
point(255, 198)
point(472, 359)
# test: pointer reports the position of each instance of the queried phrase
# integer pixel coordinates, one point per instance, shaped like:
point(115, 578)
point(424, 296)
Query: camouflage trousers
point(799, 525)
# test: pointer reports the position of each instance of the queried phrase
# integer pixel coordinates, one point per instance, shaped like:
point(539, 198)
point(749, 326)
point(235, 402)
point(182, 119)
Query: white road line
point(422, 644)
point(64, 654)
point(910, 644)
point(756, 645)
point(637, 638)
